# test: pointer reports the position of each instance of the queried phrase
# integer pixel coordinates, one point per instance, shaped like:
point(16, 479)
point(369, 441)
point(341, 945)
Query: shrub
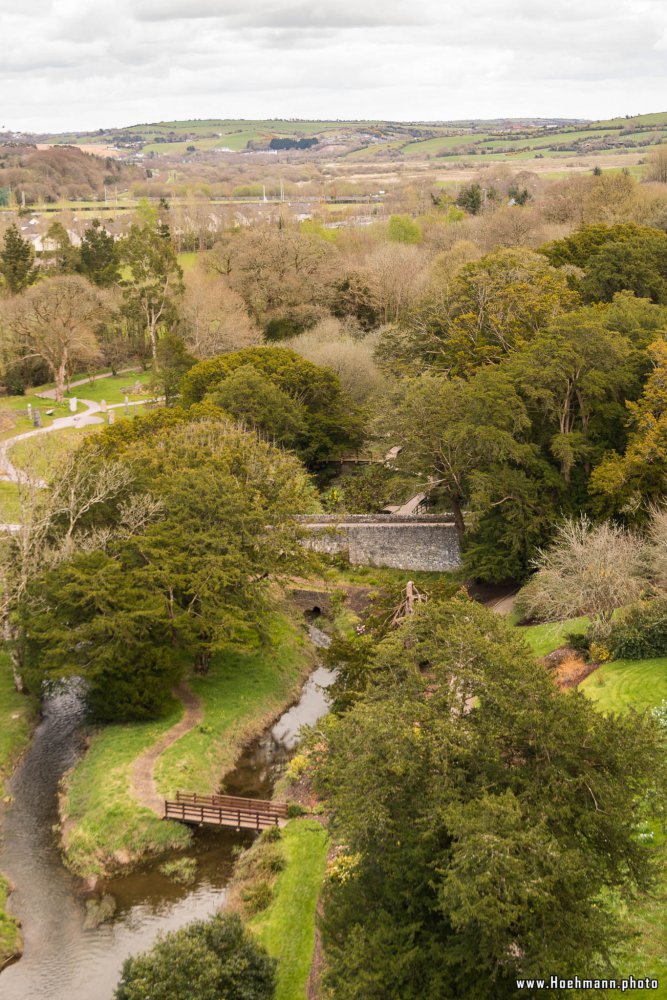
point(578, 641)
point(600, 652)
point(270, 858)
point(297, 767)
point(257, 896)
point(271, 834)
point(207, 960)
point(640, 630)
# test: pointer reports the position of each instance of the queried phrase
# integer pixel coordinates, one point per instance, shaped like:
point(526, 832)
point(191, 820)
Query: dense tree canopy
point(175, 568)
point(331, 422)
point(486, 817)
point(491, 308)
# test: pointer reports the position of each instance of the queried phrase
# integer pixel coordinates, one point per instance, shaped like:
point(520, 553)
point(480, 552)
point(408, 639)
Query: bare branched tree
point(56, 320)
point(590, 569)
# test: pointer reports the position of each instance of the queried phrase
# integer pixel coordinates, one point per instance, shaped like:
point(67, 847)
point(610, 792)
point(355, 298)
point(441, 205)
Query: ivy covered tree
point(625, 482)
point(59, 256)
point(154, 282)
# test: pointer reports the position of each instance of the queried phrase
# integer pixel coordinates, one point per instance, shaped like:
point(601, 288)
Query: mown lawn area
point(105, 827)
point(113, 388)
point(13, 413)
point(624, 684)
point(44, 453)
point(287, 926)
point(543, 639)
point(10, 509)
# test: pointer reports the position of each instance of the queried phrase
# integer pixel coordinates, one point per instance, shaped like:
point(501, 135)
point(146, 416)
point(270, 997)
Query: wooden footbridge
point(225, 810)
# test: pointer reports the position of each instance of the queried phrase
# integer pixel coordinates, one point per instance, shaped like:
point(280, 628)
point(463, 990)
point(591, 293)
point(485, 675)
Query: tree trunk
point(202, 662)
point(458, 518)
point(9, 636)
point(61, 374)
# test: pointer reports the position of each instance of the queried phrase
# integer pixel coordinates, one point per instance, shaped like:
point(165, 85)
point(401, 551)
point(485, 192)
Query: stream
point(62, 959)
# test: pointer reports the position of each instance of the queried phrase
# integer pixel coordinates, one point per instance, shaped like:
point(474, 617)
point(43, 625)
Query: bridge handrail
point(262, 806)
point(201, 813)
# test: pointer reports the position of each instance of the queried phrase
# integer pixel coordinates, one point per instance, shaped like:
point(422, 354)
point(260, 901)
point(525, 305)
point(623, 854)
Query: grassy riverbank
point(18, 715)
point(11, 941)
point(276, 887)
point(104, 826)
point(620, 686)
point(241, 694)
point(287, 926)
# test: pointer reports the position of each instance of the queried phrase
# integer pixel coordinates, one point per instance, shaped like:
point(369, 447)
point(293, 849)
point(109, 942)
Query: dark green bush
point(257, 896)
point(640, 631)
point(206, 960)
point(579, 641)
point(271, 834)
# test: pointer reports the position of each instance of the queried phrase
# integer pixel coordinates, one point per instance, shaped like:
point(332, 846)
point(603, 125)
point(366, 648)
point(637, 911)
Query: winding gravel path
point(143, 771)
point(93, 414)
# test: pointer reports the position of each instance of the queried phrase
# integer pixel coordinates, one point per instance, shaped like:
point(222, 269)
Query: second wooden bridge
point(225, 810)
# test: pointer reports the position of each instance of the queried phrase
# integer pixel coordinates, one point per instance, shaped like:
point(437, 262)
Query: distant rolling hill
point(506, 139)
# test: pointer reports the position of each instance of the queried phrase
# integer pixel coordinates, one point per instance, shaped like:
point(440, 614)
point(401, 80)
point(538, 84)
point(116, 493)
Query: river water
point(62, 959)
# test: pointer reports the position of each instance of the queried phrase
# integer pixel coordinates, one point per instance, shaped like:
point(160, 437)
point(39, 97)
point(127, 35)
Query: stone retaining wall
point(418, 542)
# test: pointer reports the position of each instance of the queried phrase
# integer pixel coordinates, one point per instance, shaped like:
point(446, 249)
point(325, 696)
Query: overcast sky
point(86, 64)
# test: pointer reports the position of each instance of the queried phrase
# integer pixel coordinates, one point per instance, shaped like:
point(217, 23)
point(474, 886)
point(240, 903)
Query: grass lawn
point(10, 509)
point(543, 639)
point(44, 453)
point(13, 413)
point(188, 260)
point(240, 695)
point(17, 717)
point(624, 684)
point(287, 926)
point(381, 576)
point(112, 388)
point(104, 826)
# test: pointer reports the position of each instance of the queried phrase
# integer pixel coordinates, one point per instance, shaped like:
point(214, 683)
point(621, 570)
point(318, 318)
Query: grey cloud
point(83, 64)
point(343, 14)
